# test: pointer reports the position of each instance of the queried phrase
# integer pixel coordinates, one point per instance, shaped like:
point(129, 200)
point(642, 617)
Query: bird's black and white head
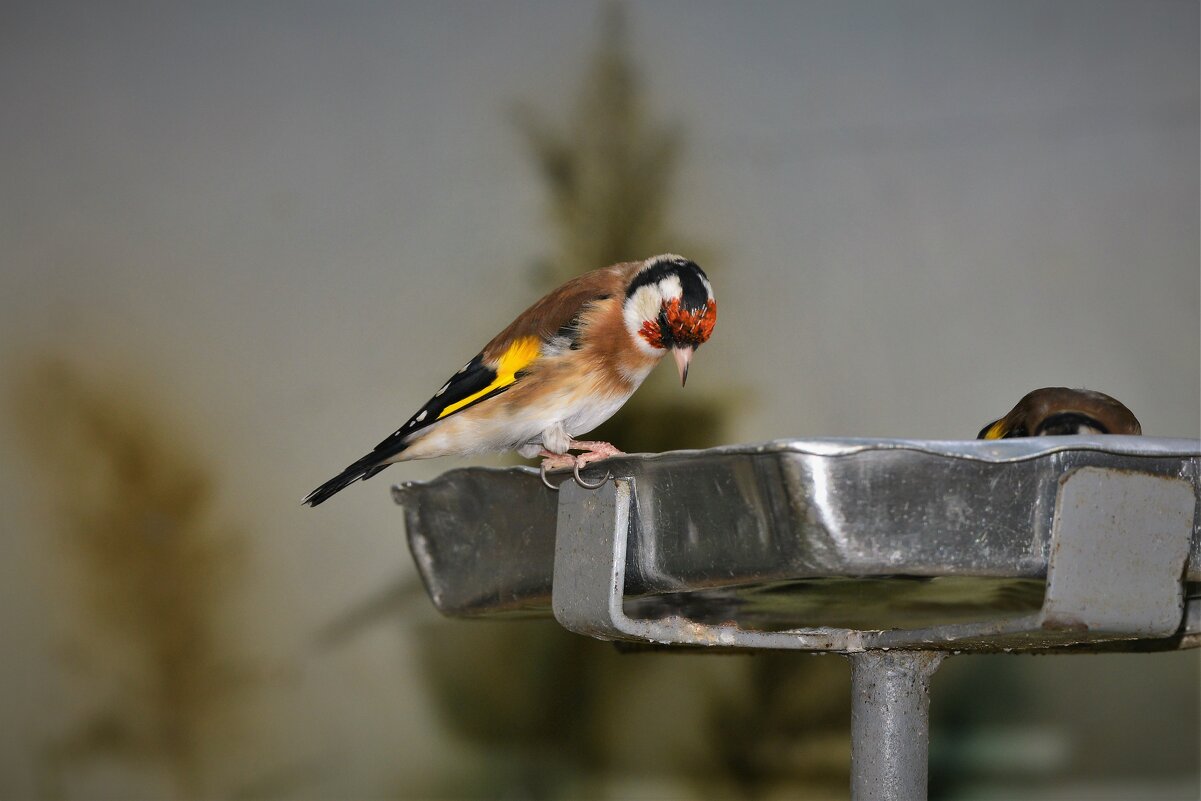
point(669, 306)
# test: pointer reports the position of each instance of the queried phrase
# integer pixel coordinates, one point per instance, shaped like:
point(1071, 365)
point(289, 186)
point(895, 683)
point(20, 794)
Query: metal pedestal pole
point(890, 724)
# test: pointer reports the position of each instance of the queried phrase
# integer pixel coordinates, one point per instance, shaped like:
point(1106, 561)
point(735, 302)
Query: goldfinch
point(563, 367)
point(1054, 411)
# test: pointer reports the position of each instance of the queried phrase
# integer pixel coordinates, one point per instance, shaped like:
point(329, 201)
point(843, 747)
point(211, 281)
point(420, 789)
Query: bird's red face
point(670, 307)
point(677, 326)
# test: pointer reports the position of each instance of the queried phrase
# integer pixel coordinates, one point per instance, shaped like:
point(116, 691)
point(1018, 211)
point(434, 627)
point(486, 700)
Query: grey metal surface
point(893, 537)
point(590, 576)
point(483, 540)
point(590, 565)
point(1120, 543)
point(1131, 531)
point(890, 724)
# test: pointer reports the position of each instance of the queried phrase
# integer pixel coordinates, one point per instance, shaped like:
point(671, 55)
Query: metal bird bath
point(893, 552)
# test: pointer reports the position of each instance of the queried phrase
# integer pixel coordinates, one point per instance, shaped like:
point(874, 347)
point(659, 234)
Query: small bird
point(1055, 411)
point(562, 368)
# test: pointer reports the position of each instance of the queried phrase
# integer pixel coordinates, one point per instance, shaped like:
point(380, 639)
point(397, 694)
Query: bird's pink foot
point(556, 461)
point(593, 451)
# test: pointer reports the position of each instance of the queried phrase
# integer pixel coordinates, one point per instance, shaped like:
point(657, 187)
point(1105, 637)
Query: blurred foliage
point(609, 173)
point(150, 575)
point(789, 735)
point(609, 170)
point(525, 695)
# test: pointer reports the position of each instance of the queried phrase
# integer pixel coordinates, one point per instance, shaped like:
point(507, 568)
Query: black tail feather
point(363, 469)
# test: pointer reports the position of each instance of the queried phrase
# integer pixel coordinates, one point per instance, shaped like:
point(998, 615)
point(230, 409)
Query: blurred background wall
point(240, 243)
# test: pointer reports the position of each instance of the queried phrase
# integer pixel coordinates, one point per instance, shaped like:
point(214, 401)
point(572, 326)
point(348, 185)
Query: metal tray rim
point(993, 451)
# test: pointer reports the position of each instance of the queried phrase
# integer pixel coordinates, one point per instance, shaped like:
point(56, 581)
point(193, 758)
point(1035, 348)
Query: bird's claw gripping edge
point(593, 452)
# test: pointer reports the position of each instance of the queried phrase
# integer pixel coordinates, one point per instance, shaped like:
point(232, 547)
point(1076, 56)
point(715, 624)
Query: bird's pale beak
point(683, 357)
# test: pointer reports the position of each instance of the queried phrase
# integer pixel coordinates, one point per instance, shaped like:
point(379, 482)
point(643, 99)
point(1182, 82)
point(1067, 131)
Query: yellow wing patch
point(996, 431)
point(516, 358)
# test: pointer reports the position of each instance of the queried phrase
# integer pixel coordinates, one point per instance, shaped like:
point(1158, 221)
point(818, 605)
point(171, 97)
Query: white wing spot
point(445, 387)
point(421, 416)
point(556, 346)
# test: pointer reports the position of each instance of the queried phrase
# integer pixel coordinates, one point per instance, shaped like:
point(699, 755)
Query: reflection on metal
point(890, 551)
point(1129, 531)
point(841, 544)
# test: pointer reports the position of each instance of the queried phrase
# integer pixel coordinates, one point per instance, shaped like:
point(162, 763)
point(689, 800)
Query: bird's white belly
point(571, 417)
point(591, 414)
point(553, 420)
point(568, 417)
point(548, 421)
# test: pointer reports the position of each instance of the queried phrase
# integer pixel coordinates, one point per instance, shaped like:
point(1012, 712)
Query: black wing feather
point(474, 377)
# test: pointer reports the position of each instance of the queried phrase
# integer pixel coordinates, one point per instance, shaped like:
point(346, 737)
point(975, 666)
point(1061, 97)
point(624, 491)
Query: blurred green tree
point(609, 172)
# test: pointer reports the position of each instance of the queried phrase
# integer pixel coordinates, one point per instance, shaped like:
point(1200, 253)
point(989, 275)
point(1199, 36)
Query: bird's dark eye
point(665, 329)
point(1068, 423)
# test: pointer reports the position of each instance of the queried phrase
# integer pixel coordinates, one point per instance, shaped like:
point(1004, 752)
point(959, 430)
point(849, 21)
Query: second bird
point(1060, 411)
point(562, 368)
